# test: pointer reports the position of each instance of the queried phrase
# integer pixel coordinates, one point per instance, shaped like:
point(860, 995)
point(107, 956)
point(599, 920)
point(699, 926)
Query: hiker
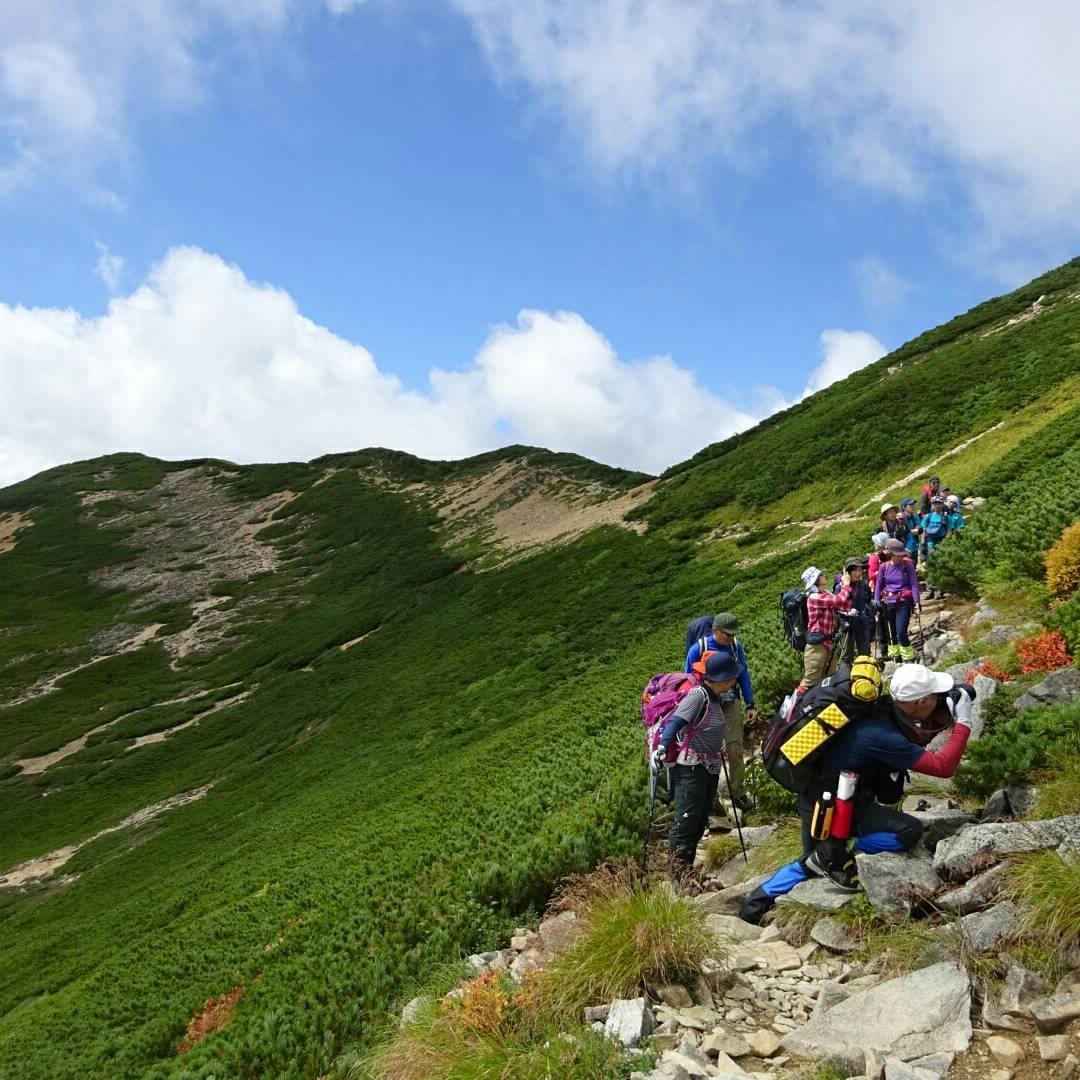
point(862, 601)
point(821, 609)
point(897, 587)
point(879, 750)
point(954, 519)
point(928, 493)
point(935, 530)
point(879, 540)
point(694, 737)
point(894, 526)
point(913, 522)
point(723, 639)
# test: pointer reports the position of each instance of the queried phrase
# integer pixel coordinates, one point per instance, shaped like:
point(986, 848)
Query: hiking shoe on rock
point(743, 803)
point(907, 652)
point(843, 877)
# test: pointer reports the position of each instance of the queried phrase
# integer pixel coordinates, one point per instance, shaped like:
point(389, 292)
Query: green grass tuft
point(1048, 887)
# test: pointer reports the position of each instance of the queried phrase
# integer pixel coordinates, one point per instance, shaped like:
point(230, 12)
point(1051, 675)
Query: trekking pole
point(918, 619)
point(734, 808)
point(654, 779)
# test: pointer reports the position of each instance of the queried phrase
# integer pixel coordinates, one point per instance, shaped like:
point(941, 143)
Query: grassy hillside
point(400, 700)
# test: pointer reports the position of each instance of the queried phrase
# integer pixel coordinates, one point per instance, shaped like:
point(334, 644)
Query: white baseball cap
point(810, 576)
point(913, 681)
point(887, 506)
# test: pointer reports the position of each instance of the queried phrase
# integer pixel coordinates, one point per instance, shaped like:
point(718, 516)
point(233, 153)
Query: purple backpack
point(659, 700)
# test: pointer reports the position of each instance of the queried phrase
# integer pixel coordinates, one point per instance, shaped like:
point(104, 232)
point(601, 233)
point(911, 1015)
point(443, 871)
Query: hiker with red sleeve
point(821, 609)
point(872, 756)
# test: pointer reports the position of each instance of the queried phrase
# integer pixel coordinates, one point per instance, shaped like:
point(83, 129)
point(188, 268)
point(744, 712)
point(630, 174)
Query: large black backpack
point(699, 629)
point(793, 612)
point(793, 745)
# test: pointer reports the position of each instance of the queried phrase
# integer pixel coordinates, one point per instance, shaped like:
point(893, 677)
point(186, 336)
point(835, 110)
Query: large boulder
point(985, 931)
point(941, 823)
point(975, 847)
point(926, 1012)
point(894, 882)
point(1058, 688)
point(730, 900)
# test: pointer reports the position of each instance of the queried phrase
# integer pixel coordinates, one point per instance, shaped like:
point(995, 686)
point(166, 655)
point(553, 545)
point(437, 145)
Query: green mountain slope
point(395, 700)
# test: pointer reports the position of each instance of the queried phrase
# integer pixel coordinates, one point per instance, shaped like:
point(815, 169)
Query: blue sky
point(271, 229)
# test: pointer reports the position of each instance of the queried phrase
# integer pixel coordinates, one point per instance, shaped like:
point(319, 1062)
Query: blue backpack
point(699, 629)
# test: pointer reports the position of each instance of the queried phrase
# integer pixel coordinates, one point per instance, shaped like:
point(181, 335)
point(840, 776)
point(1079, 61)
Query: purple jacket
point(897, 582)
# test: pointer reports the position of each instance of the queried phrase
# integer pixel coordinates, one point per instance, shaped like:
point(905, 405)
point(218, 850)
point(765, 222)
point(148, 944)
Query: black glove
point(966, 688)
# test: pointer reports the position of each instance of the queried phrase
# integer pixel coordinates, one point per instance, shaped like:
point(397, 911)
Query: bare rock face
point(819, 894)
point(926, 1012)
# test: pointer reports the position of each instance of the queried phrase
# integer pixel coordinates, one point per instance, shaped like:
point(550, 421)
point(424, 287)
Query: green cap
point(726, 623)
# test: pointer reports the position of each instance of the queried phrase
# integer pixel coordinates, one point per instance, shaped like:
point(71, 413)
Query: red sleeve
point(943, 762)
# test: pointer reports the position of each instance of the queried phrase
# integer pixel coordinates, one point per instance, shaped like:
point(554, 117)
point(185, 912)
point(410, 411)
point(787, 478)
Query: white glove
point(658, 760)
point(962, 708)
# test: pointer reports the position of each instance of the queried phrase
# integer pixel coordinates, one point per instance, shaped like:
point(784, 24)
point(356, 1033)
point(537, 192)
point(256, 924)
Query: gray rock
point(940, 646)
point(720, 1042)
point(921, 803)
point(986, 931)
point(940, 824)
point(1059, 687)
point(754, 834)
point(1002, 634)
point(895, 1069)
point(1021, 988)
point(1054, 1012)
point(993, 1017)
point(938, 1065)
point(596, 1012)
point(926, 1012)
point(819, 894)
point(559, 932)
point(834, 936)
point(1009, 1053)
point(1053, 1047)
point(629, 1020)
point(763, 1043)
point(976, 847)
point(413, 1009)
point(772, 955)
point(975, 893)
point(894, 882)
point(1022, 798)
point(689, 1058)
point(731, 928)
point(984, 613)
point(673, 995)
point(728, 901)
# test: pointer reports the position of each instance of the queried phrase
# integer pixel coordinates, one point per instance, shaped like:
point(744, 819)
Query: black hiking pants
point(694, 790)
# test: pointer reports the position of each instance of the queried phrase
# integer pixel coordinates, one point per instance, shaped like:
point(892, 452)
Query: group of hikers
point(839, 741)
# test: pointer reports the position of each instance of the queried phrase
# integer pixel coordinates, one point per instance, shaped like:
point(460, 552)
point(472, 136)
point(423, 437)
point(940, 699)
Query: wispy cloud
point(109, 267)
point(881, 287)
point(913, 99)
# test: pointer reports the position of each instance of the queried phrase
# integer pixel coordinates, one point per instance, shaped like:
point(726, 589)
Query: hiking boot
point(743, 803)
point(907, 652)
point(843, 877)
point(895, 653)
point(931, 594)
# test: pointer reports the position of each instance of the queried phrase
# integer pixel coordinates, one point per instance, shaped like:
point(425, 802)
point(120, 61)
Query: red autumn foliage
point(987, 667)
point(1043, 652)
point(213, 1015)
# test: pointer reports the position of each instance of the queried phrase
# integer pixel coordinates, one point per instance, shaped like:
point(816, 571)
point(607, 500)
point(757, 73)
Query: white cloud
point(200, 361)
point(73, 75)
point(910, 98)
point(109, 267)
point(879, 285)
point(843, 352)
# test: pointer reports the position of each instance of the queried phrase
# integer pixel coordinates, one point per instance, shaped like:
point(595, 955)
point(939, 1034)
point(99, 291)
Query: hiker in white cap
point(821, 609)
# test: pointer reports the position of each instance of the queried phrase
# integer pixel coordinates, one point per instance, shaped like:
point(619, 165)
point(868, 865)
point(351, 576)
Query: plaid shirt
point(821, 609)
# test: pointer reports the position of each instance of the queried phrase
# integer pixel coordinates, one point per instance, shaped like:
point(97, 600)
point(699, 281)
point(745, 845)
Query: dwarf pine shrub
point(1063, 562)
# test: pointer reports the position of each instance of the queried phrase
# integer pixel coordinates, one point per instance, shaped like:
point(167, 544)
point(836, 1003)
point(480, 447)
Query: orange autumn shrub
point(990, 669)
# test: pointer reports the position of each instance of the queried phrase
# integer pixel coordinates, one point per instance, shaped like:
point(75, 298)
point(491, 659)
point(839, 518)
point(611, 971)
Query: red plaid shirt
point(821, 609)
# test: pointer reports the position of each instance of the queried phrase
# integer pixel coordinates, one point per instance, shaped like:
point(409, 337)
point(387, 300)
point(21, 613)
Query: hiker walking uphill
point(929, 493)
point(722, 639)
point(935, 531)
point(897, 588)
point(692, 748)
point(893, 525)
point(861, 774)
point(821, 609)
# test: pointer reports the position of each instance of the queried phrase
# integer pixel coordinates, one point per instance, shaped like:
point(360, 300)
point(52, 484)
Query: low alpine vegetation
point(633, 931)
